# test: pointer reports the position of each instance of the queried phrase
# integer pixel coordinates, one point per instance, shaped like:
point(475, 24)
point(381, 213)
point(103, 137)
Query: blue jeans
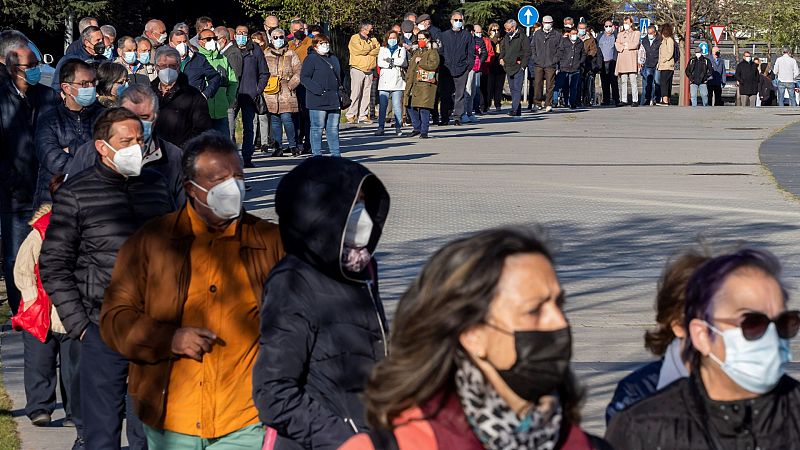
point(703, 89)
point(560, 85)
point(248, 109)
point(420, 119)
point(476, 92)
point(648, 85)
point(14, 229)
point(397, 108)
point(515, 86)
point(221, 125)
point(329, 120)
point(288, 124)
point(573, 82)
point(782, 88)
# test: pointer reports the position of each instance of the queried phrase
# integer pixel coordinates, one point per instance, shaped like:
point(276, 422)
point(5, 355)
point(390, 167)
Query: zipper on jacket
point(378, 315)
point(352, 424)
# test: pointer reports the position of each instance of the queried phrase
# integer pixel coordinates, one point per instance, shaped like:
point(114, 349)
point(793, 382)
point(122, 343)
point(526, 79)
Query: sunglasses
point(755, 324)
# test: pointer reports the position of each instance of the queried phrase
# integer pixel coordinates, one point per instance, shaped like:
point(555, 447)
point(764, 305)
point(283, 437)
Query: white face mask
point(323, 49)
point(626, 26)
point(162, 38)
point(407, 35)
point(547, 26)
point(758, 365)
point(698, 55)
point(747, 58)
point(225, 199)
point(211, 46)
point(359, 227)
point(127, 161)
point(573, 37)
point(422, 27)
point(168, 76)
point(609, 30)
point(181, 48)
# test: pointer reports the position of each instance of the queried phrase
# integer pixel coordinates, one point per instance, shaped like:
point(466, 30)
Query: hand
point(66, 149)
point(193, 342)
point(502, 62)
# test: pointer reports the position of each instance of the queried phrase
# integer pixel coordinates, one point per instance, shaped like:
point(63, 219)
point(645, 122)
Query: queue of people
point(131, 260)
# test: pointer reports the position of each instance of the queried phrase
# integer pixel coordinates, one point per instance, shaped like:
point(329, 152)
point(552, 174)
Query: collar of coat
point(181, 228)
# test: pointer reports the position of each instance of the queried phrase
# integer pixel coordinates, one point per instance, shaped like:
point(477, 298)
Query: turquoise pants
point(248, 438)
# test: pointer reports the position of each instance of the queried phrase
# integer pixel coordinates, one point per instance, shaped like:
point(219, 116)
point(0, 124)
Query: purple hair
point(707, 281)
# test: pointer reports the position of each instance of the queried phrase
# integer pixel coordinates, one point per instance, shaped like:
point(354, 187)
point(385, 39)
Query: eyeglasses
point(458, 20)
point(210, 38)
point(84, 84)
point(755, 324)
point(278, 37)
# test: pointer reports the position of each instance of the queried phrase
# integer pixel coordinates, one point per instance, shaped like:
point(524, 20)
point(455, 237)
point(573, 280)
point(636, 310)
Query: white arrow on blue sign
point(643, 24)
point(527, 16)
point(703, 48)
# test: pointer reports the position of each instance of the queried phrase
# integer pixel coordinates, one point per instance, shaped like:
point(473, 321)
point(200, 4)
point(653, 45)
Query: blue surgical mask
point(130, 57)
point(757, 365)
point(573, 37)
point(581, 32)
point(392, 42)
point(457, 25)
point(86, 96)
point(147, 129)
point(241, 40)
point(121, 89)
point(278, 43)
point(108, 52)
point(33, 75)
point(144, 57)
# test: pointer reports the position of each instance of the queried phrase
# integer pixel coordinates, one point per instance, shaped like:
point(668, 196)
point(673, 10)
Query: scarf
point(495, 424)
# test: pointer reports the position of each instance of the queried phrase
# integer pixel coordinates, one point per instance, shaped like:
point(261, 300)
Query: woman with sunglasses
point(284, 64)
point(737, 346)
point(496, 77)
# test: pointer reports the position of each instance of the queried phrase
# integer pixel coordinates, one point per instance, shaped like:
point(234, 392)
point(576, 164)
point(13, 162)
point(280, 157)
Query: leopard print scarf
point(495, 424)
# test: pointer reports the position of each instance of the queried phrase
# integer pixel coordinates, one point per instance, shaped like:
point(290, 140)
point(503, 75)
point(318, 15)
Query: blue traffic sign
point(703, 48)
point(527, 16)
point(644, 22)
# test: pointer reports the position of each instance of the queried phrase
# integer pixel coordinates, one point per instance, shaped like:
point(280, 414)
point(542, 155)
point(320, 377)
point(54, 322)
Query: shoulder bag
point(274, 83)
point(344, 99)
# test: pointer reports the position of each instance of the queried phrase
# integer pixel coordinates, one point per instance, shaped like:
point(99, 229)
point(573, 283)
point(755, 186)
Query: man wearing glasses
point(458, 54)
point(225, 97)
point(737, 347)
point(60, 131)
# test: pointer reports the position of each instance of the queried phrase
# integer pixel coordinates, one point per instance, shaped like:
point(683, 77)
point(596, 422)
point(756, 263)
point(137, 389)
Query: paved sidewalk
point(618, 189)
point(781, 155)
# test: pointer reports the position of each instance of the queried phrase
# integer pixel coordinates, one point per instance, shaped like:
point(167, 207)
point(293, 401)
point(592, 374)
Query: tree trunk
point(69, 25)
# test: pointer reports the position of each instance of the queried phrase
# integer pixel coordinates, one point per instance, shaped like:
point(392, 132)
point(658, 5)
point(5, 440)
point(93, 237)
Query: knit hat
point(407, 26)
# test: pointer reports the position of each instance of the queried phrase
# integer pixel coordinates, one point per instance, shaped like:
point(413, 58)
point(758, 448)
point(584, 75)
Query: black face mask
point(542, 362)
point(716, 54)
point(99, 48)
point(299, 35)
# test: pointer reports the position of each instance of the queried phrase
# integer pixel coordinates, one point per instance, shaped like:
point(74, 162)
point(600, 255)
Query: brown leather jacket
point(143, 304)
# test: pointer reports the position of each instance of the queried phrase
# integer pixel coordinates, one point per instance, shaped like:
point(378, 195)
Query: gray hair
point(786, 49)
point(151, 23)
point(121, 42)
point(87, 32)
point(109, 30)
point(85, 22)
point(11, 57)
point(11, 41)
point(279, 30)
point(456, 13)
point(169, 52)
point(141, 39)
point(511, 23)
point(651, 27)
point(138, 94)
point(181, 26)
point(222, 32)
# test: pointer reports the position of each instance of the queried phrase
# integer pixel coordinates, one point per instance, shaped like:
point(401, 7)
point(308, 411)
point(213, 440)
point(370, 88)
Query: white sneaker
point(548, 109)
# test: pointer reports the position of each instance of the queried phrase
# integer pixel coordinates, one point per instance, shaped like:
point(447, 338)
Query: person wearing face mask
point(176, 334)
point(481, 99)
point(786, 72)
point(593, 64)
point(91, 52)
point(668, 56)
point(306, 384)
point(627, 46)
point(22, 102)
point(94, 213)
point(393, 60)
point(666, 340)
point(544, 52)
point(199, 73)
point(496, 77)
point(128, 57)
point(699, 71)
point(407, 36)
point(156, 32)
point(717, 81)
point(82, 25)
point(112, 80)
point(157, 154)
point(514, 53)
point(321, 76)
point(282, 104)
point(61, 130)
point(183, 109)
point(420, 93)
point(738, 332)
point(650, 86)
point(571, 57)
point(424, 23)
point(144, 70)
point(363, 60)
point(747, 78)
point(225, 98)
point(109, 38)
point(458, 57)
point(480, 354)
point(251, 85)
point(608, 77)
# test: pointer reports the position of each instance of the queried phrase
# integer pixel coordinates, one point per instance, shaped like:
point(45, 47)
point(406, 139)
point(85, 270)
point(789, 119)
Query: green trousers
point(248, 438)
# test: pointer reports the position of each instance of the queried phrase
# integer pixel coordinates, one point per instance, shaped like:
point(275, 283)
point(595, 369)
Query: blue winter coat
point(640, 384)
point(458, 51)
point(255, 73)
point(202, 76)
point(321, 83)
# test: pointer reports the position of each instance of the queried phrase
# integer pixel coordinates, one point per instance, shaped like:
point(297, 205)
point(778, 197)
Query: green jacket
point(419, 94)
point(226, 95)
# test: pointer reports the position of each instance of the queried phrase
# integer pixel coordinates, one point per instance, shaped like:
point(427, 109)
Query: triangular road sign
point(716, 32)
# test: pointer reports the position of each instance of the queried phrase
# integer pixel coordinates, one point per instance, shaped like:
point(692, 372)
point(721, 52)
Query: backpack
point(676, 52)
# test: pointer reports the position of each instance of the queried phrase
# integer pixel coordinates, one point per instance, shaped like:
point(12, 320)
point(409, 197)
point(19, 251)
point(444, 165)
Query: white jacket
point(786, 69)
point(391, 79)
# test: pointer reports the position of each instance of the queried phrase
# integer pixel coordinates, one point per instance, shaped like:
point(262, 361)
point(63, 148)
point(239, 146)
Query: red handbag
point(36, 318)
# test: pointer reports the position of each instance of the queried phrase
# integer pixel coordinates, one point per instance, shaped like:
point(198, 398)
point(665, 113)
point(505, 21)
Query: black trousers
point(495, 86)
point(610, 84)
point(666, 83)
point(715, 95)
point(302, 121)
point(41, 362)
point(485, 100)
point(104, 384)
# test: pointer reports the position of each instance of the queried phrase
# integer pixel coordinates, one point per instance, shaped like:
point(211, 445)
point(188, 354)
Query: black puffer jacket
point(682, 417)
point(544, 48)
point(57, 129)
point(94, 213)
point(182, 112)
point(322, 328)
point(571, 55)
point(18, 164)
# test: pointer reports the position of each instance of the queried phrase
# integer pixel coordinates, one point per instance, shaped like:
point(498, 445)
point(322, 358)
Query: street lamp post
point(687, 38)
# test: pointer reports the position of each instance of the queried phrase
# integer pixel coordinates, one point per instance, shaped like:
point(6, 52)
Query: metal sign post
point(527, 16)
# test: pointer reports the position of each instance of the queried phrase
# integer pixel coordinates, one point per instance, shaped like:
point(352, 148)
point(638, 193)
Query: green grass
point(9, 439)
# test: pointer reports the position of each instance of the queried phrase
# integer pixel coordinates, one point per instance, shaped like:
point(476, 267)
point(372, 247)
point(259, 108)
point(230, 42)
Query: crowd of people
point(137, 277)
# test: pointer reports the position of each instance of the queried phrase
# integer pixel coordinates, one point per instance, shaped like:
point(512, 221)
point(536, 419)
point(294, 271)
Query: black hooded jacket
point(322, 327)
